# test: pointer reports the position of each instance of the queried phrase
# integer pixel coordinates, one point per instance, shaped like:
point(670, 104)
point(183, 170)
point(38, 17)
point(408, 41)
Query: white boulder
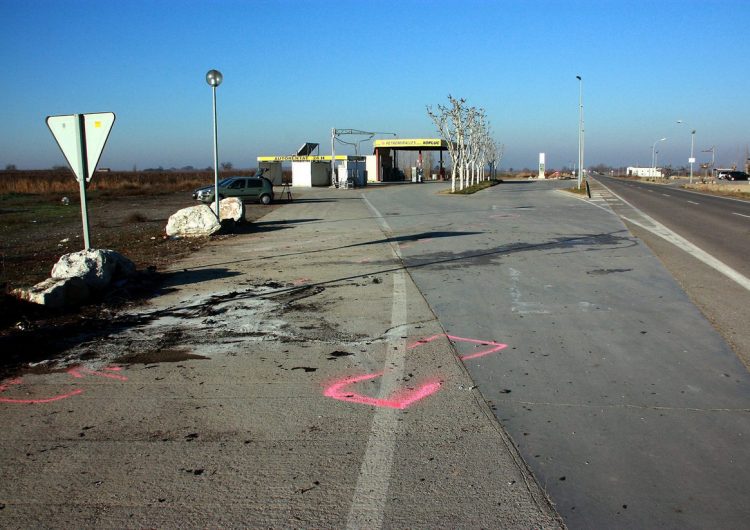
point(230, 208)
point(56, 293)
point(96, 267)
point(195, 221)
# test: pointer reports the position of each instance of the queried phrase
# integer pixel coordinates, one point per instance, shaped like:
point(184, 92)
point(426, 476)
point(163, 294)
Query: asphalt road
point(718, 225)
point(629, 407)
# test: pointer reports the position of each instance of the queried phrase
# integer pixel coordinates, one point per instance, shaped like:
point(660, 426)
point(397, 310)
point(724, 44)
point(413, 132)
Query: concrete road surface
point(299, 375)
point(292, 376)
point(629, 407)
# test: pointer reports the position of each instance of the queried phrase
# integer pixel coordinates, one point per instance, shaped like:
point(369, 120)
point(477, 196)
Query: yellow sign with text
point(426, 143)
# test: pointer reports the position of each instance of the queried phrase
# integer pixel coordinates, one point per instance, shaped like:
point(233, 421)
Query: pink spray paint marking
point(301, 281)
point(79, 373)
point(73, 372)
point(492, 345)
point(399, 400)
point(18, 381)
point(403, 399)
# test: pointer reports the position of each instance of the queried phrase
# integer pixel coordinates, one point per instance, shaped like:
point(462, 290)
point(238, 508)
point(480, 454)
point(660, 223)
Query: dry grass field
point(46, 182)
point(739, 191)
point(128, 213)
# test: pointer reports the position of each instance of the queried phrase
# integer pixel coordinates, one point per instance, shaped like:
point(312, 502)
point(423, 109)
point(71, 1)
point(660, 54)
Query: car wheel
point(265, 199)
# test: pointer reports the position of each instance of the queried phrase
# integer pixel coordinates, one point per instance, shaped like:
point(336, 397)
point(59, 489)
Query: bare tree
point(467, 132)
point(495, 152)
point(477, 132)
point(450, 123)
point(226, 166)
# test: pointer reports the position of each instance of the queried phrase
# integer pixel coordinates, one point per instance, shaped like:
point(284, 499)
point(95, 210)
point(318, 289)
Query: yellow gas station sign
point(413, 143)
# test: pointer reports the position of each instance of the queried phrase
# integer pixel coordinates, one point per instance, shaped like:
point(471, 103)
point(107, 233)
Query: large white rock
point(230, 208)
point(195, 221)
point(56, 293)
point(96, 267)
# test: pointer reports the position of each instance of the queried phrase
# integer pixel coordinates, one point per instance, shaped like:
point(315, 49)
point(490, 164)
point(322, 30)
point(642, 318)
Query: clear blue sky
point(293, 70)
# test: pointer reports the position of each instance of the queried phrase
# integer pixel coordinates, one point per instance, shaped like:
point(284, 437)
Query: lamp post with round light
point(580, 131)
point(692, 146)
point(214, 78)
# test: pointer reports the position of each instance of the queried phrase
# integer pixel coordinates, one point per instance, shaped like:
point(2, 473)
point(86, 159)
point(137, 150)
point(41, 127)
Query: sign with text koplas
point(81, 138)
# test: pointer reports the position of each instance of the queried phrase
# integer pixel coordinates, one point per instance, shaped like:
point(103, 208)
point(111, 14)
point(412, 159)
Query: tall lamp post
point(653, 156)
point(580, 131)
point(214, 78)
point(692, 146)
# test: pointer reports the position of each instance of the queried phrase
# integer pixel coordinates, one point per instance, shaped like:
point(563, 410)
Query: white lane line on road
point(666, 194)
point(371, 493)
point(655, 227)
point(693, 202)
point(741, 215)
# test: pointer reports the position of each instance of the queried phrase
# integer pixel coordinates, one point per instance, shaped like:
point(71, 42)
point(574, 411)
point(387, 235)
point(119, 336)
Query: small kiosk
point(314, 170)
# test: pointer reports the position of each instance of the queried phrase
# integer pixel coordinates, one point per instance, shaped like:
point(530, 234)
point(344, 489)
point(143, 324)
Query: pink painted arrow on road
point(402, 399)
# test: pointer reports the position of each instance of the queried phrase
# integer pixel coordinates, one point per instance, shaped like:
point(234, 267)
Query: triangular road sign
point(68, 137)
point(97, 128)
point(67, 133)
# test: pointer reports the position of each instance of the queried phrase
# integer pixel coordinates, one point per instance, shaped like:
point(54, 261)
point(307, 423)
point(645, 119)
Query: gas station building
point(315, 170)
point(382, 166)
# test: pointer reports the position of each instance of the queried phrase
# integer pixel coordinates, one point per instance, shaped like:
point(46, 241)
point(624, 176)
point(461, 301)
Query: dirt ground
point(36, 230)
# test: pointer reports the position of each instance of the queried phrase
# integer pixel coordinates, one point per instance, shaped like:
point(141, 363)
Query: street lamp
point(692, 145)
point(214, 78)
point(580, 131)
point(653, 156)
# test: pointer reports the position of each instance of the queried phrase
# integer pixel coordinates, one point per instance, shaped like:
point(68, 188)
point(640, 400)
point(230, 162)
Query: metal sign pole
point(334, 179)
point(216, 159)
point(83, 172)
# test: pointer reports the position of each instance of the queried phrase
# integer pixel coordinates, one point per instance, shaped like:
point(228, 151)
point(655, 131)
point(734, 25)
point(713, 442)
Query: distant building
point(645, 172)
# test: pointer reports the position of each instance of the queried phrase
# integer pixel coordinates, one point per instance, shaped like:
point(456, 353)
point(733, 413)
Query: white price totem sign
point(81, 138)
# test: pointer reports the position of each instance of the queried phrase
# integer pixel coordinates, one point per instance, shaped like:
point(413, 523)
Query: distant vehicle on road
point(732, 175)
point(255, 188)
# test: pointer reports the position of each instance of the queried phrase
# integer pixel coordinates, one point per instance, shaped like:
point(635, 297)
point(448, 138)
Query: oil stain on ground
point(167, 355)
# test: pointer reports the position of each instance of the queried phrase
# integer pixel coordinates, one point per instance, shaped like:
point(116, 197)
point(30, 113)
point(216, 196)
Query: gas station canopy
point(384, 167)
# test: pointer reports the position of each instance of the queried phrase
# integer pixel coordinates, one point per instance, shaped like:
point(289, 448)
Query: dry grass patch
point(739, 191)
point(63, 181)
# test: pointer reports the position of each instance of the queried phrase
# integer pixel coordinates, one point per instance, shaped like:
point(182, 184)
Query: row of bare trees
point(470, 143)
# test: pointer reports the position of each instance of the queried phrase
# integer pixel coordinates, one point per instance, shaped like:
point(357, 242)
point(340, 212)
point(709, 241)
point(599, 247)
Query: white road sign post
point(81, 138)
